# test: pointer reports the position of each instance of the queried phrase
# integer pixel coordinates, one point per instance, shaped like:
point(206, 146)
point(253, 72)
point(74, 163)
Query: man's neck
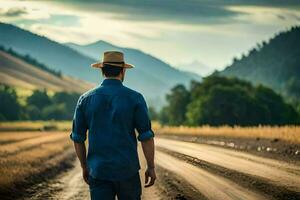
point(117, 78)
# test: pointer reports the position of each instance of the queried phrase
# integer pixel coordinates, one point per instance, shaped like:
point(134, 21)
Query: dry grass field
point(36, 126)
point(26, 157)
point(287, 133)
point(15, 72)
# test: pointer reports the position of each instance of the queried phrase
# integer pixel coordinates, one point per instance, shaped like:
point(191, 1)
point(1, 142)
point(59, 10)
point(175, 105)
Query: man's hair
point(111, 71)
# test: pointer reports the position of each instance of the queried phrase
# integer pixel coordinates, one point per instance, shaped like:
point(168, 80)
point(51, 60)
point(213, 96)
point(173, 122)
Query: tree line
point(225, 101)
point(215, 101)
point(38, 106)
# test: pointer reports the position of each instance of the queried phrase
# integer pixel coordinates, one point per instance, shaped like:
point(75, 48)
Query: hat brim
point(100, 65)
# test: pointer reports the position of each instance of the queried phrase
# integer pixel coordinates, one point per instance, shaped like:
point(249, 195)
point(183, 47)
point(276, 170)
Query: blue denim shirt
point(111, 112)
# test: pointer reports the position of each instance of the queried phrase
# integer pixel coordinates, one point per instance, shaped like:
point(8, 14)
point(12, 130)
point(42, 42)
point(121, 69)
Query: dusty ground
point(187, 168)
point(274, 179)
point(272, 148)
point(30, 158)
point(70, 186)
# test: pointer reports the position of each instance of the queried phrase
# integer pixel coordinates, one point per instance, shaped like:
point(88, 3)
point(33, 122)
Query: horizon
point(212, 33)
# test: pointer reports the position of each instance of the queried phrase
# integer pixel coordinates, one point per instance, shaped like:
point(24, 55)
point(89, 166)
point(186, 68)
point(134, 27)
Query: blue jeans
point(128, 189)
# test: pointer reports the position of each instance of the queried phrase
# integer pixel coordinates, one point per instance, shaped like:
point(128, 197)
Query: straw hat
point(114, 58)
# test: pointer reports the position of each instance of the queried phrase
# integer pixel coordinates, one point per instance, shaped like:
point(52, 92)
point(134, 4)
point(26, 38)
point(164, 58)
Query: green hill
point(18, 73)
point(275, 63)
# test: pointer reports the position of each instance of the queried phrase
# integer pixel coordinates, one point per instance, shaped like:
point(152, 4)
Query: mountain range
point(158, 77)
point(151, 76)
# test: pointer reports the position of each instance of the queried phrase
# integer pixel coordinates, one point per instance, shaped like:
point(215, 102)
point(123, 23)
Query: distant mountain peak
point(99, 42)
point(196, 67)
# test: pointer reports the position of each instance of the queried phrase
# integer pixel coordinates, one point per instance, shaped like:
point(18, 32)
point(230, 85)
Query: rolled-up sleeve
point(142, 120)
point(79, 127)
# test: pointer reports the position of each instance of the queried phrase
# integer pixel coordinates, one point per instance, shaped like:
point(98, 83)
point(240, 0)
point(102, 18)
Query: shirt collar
point(111, 82)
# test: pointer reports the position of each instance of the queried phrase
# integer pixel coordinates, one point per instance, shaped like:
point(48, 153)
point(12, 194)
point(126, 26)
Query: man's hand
point(85, 175)
point(150, 174)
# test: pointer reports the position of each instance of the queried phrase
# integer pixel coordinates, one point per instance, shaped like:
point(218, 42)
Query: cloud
point(294, 16)
point(13, 12)
point(209, 30)
point(60, 33)
point(61, 20)
point(176, 11)
point(281, 17)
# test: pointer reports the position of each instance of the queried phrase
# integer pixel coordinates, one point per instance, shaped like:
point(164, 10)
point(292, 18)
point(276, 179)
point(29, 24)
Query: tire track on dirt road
point(211, 186)
point(244, 180)
point(277, 173)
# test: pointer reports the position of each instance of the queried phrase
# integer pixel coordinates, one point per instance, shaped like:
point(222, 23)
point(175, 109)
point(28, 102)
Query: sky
point(178, 32)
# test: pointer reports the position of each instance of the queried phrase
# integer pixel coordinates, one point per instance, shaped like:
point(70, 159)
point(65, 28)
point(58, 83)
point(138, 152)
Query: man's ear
point(123, 74)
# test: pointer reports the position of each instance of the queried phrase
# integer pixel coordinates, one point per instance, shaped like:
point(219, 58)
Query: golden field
point(36, 126)
point(287, 133)
point(27, 154)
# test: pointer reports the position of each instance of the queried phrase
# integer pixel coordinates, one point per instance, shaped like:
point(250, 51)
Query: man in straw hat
point(111, 112)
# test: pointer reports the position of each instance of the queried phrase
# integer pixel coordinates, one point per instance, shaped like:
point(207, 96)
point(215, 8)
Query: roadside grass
point(36, 126)
point(287, 133)
point(28, 157)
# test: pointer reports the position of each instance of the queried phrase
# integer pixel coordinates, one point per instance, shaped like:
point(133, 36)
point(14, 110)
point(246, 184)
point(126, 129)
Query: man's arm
point(143, 126)
point(148, 149)
point(78, 135)
point(81, 154)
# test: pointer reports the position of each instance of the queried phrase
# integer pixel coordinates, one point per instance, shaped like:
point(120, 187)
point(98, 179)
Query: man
point(111, 112)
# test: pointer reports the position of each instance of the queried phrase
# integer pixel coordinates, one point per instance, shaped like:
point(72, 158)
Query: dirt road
point(70, 186)
point(188, 170)
point(276, 172)
point(211, 186)
point(250, 177)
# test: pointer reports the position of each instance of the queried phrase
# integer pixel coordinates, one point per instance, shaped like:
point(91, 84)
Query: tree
point(33, 113)
point(10, 109)
point(152, 113)
point(178, 99)
point(56, 112)
point(292, 87)
point(223, 105)
point(279, 112)
point(69, 99)
point(39, 98)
